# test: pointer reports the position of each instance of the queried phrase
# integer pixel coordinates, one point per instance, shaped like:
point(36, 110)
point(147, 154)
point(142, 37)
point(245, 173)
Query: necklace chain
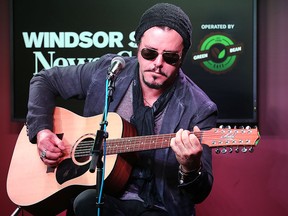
point(147, 102)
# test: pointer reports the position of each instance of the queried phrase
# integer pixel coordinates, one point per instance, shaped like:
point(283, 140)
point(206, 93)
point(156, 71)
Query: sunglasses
point(171, 58)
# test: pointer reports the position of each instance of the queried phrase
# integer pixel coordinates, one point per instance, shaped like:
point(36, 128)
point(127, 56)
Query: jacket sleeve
point(65, 82)
point(200, 186)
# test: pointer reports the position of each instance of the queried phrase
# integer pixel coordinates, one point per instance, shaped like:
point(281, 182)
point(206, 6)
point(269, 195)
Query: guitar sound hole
point(83, 150)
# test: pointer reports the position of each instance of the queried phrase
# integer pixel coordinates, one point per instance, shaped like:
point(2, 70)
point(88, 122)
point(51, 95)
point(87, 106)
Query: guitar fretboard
point(213, 138)
point(140, 143)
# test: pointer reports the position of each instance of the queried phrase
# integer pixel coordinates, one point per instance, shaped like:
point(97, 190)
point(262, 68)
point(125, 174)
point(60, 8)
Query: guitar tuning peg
point(235, 127)
point(217, 150)
point(228, 127)
point(244, 149)
point(251, 149)
point(248, 127)
point(237, 149)
point(221, 126)
point(241, 127)
point(224, 150)
point(230, 149)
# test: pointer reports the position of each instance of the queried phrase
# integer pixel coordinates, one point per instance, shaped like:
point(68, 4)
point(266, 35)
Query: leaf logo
point(217, 53)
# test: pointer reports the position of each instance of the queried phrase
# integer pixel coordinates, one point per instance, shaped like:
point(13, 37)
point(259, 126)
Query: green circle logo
point(217, 53)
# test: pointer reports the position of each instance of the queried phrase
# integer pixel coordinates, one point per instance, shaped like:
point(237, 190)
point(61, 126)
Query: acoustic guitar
point(44, 190)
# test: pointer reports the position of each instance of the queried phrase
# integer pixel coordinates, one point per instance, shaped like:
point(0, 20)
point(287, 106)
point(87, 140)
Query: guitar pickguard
point(68, 170)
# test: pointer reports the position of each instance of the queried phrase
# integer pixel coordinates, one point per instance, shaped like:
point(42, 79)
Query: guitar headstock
point(227, 139)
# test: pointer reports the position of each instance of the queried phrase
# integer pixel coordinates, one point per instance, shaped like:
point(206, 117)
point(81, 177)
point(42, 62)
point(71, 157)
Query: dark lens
point(149, 54)
point(171, 58)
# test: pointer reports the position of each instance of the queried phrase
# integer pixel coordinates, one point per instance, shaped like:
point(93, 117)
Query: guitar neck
point(215, 137)
point(139, 143)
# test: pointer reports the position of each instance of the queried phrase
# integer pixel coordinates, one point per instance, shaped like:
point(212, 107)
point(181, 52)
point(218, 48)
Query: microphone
point(117, 64)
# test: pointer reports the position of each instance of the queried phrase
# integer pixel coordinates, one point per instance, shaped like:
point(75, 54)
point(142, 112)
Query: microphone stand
point(101, 135)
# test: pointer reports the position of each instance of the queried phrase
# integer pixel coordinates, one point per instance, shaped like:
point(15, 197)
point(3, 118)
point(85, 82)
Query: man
point(153, 94)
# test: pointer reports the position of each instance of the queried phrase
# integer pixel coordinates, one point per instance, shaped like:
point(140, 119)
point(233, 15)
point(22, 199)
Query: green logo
point(217, 53)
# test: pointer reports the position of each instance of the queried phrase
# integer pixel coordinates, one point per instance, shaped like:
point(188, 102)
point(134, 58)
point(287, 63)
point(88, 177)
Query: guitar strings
point(138, 143)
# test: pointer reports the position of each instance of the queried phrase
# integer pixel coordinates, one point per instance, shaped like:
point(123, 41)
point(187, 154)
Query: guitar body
point(35, 187)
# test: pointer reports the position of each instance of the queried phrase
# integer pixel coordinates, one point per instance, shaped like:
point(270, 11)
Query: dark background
point(234, 91)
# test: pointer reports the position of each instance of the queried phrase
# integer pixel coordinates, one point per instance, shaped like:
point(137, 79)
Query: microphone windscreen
point(118, 60)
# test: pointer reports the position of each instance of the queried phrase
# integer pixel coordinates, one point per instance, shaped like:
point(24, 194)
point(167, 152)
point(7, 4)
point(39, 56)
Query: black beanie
point(164, 14)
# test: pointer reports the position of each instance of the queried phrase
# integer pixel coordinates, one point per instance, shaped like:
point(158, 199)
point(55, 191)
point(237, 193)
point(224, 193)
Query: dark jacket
point(189, 106)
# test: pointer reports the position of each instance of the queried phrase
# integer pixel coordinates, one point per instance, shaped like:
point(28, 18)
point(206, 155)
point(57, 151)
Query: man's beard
point(153, 85)
point(163, 85)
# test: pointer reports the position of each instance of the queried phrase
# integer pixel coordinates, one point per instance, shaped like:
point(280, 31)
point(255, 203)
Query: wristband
point(185, 177)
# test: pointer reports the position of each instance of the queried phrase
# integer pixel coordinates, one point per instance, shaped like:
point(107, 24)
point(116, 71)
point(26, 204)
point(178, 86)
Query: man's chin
point(153, 85)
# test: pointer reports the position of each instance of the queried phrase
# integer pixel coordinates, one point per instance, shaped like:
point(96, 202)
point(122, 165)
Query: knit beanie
point(165, 14)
